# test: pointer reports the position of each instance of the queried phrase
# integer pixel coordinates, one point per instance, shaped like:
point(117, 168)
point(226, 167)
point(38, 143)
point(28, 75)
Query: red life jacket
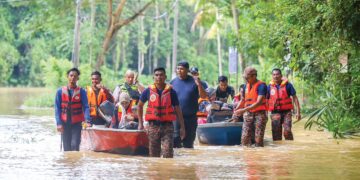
point(279, 98)
point(74, 106)
point(251, 96)
point(159, 106)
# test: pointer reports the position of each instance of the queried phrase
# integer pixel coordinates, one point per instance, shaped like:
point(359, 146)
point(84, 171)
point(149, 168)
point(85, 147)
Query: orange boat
point(119, 141)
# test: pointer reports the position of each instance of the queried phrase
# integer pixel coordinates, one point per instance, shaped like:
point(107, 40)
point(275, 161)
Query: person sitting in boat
point(224, 91)
point(237, 98)
point(97, 94)
point(128, 118)
point(203, 103)
point(132, 87)
point(219, 111)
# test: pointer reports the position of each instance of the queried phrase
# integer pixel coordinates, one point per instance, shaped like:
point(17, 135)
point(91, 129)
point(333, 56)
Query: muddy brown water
point(30, 149)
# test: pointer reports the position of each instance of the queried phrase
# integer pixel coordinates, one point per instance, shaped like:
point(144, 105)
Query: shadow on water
point(30, 149)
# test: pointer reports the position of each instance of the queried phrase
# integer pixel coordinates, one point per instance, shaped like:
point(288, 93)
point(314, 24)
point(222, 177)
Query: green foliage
point(9, 57)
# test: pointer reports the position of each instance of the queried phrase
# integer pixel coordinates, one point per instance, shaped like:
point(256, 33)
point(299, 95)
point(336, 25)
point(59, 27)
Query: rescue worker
point(132, 87)
point(97, 93)
point(189, 89)
point(253, 106)
point(281, 97)
point(71, 109)
point(163, 108)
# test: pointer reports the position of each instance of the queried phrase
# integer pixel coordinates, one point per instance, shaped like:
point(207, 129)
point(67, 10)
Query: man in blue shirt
point(71, 109)
point(188, 89)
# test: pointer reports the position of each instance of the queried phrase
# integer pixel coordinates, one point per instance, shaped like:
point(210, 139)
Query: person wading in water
point(71, 109)
point(163, 108)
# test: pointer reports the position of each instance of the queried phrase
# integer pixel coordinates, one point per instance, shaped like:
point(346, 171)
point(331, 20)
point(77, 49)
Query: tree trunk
point(141, 45)
point(156, 36)
point(168, 55)
point(92, 27)
point(115, 23)
point(175, 39)
point(235, 14)
point(218, 43)
point(76, 47)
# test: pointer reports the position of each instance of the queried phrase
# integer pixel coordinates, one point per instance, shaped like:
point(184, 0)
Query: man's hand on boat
point(86, 125)
point(60, 128)
point(140, 126)
point(239, 112)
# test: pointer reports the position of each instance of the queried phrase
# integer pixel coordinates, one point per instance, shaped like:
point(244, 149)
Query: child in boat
point(127, 113)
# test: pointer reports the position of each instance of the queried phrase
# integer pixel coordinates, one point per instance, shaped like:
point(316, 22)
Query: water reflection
point(29, 149)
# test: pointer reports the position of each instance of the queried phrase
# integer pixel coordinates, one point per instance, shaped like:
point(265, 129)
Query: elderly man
point(132, 87)
point(253, 106)
point(189, 89)
point(281, 96)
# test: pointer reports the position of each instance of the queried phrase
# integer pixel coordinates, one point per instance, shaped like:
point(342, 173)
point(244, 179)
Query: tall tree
point(115, 23)
point(175, 40)
point(76, 47)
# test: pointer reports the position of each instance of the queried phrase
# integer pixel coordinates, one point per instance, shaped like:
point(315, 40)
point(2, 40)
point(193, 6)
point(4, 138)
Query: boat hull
point(223, 133)
point(118, 141)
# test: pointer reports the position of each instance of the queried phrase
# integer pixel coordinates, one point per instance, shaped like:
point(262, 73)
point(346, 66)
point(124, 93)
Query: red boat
point(119, 141)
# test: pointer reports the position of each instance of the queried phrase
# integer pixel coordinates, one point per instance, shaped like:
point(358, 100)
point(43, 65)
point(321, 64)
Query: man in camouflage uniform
point(163, 109)
point(281, 97)
point(253, 106)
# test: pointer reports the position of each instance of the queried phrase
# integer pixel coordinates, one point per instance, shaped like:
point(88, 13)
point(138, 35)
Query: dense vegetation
point(317, 43)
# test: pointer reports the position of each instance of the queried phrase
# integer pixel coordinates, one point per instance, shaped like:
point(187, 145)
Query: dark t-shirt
point(289, 89)
point(145, 95)
point(225, 94)
point(188, 94)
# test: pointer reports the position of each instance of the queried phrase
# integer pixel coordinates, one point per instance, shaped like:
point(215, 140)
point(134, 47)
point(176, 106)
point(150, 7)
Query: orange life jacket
point(73, 105)
point(251, 96)
point(279, 98)
point(94, 102)
point(159, 106)
point(199, 113)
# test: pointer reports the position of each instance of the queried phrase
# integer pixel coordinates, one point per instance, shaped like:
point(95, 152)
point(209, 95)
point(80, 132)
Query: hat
point(194, 70)
point(124, 97)
point(184, 64)
point(210, 91)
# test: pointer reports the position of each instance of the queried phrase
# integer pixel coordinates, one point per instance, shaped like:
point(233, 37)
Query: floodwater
point(30, 149)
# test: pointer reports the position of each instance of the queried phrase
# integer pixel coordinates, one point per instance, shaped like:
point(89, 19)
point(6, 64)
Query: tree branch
point(119, 10)
point(127, 21)
point(110, 16)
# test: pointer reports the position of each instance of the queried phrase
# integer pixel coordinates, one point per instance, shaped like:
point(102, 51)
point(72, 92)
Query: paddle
point(61, 142)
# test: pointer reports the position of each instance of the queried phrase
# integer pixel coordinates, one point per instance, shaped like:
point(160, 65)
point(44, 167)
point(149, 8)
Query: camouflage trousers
point(255, 120)
point(161, 139)
point(279, 120)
